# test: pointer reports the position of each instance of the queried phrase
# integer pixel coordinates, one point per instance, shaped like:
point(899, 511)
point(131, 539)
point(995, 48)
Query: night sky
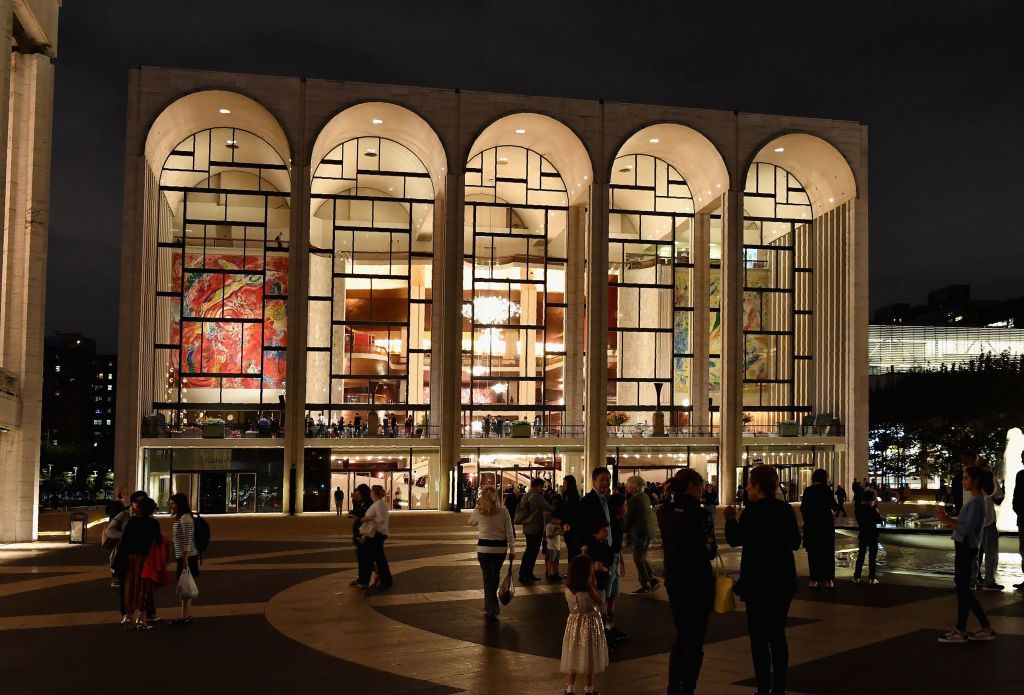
point(940, 84)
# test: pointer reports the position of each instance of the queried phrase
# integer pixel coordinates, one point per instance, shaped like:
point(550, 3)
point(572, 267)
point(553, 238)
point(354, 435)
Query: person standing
point(688, 541)
point(967, 530)
point(840, 501)
point(988, 551)
point(769, 535)
point(495, 538)
point(339, 497)
point(818, 508)
point(530, 513)
point(361, 501)
point(118, 558)
point(569, 513)
point(594, 505)
point(868, 521)
point(584, 647)
point(375, 530)
point(1018, 509)
point(639, 527)
point(185, 551)
point(141, 533)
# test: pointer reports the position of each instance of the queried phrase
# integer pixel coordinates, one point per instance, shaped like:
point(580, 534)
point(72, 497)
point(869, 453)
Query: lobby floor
point(276, 614)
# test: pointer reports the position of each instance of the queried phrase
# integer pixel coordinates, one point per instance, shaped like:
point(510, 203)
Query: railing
point(644, 430)
point(795, 429)
point(350, 432)
point(507, 430)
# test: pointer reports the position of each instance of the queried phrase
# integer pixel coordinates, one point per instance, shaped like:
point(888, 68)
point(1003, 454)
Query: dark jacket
point(599, 551)
point(591, 511)
point(818, 508)
point(688, 541)
point(1018, 497)
point(768, 533)
point(868, 518)
point(140, 533)
point(531, 512)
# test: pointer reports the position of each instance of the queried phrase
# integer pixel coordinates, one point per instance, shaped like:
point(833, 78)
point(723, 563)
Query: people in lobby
point(185, 551)
point(339, 499)
point(688, 541)
point(141, 533)
point(967, 529)
point(868, 520)
point(639, 528)
point(569, 513)
point(530, 513)
point(769, 535)
point(818, 508)
point(495, 539)
point(584, 647)
point(553, 533)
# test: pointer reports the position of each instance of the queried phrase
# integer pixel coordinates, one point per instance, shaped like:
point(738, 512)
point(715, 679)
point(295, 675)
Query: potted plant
point(789, 428)
point(520, 428)
point(617, 418)
point(747, 419)
point(213, 428)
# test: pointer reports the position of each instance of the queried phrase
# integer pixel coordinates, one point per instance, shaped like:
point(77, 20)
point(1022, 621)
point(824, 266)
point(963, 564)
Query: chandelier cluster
point(490, 310)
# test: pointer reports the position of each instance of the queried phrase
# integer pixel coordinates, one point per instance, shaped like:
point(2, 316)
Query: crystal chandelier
point(490, 310)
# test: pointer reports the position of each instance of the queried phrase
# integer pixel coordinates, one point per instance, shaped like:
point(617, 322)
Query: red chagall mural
point(225, 347)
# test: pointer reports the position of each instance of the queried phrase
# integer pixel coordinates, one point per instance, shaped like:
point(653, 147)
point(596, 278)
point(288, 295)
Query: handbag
point(187, 589)
point(507, 590)
point(725, 601)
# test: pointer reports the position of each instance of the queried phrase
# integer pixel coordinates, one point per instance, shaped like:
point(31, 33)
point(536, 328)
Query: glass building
point(328, 284)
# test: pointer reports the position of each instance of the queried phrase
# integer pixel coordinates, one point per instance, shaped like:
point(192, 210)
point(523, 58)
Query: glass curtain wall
point(370, 279)
point(513, 344)
point(220, 327)
point(777, 251)
point(650, 294)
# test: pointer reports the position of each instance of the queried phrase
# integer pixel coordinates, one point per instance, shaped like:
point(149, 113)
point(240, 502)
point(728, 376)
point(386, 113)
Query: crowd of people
point(139, 553)
point(357, 426)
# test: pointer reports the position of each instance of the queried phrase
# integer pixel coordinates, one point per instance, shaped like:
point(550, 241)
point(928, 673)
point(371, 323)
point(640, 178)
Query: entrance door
point(245, 493)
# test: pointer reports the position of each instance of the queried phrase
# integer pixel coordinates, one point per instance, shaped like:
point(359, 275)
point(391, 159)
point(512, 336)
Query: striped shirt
point(183, 532)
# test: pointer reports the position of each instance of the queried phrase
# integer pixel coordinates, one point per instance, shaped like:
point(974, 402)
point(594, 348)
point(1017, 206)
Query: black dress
point(818, 509)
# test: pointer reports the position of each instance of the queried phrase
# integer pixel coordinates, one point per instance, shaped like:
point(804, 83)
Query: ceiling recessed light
point(718, 185)
point(585, 178)
point(654, 141)
point(225, 111)
point(370, 152)
point(780, 149)
point(377, 121)
point(831, 200)
point(520, 131)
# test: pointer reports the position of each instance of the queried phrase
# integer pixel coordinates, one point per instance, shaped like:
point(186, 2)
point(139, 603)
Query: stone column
point(24, 282)
point(6, 29)
point(857, 331)
point(731, 436)
point(575, 315)
point(449, 253)
point(700, 323)
point(298, 316)
point(597, 329)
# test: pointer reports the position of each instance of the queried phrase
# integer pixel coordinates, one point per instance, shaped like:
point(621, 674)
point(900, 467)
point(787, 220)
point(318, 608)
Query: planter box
point(214, 431)
point(520, 430)
point(789, 429)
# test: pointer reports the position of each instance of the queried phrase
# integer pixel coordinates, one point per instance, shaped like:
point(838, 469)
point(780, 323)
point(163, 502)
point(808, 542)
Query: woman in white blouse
point(495, 538)
point(374, 531)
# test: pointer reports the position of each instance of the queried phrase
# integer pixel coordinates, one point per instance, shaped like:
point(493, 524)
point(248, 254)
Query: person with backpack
point(530, 513)
point(186, 551)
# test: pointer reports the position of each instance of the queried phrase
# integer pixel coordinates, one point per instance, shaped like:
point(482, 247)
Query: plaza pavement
point(276, 615)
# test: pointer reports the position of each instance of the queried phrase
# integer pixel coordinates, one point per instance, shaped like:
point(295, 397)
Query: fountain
point(1006, 520)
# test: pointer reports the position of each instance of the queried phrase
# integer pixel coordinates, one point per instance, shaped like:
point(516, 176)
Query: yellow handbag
point(725, 600)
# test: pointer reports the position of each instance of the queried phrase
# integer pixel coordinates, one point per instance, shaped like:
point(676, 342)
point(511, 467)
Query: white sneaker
point(872, 581)
point(856, 580)
point(953, 637)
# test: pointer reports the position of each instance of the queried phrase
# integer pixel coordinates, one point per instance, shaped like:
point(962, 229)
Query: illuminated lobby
point(326, 284)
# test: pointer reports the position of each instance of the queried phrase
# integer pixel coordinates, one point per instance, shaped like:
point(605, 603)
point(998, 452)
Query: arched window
point(514, 303)
point(220, 330)
point(650, 294)
point(778, 246)
point(371, 256)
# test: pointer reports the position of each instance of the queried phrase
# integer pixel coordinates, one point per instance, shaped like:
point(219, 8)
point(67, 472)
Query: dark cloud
point(939, 83)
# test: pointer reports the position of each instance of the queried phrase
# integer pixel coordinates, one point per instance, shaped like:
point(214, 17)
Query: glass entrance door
point(515, 479)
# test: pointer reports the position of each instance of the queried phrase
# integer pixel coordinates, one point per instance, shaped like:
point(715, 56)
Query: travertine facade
point(786, 338)
point(28, 45)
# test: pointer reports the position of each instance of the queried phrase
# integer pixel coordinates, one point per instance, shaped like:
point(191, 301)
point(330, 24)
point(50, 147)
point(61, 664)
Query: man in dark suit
point(594, 505)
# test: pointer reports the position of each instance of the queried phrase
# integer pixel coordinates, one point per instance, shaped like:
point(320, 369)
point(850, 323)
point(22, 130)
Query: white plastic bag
point(187, 588)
